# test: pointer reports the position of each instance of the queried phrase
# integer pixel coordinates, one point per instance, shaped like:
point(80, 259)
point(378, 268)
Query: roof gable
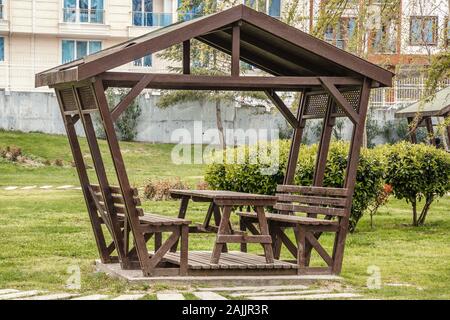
point(267, 43)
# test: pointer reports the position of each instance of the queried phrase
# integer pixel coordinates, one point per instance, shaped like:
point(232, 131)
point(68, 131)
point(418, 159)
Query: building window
point(85, 11)
point(143, 15)
point(341, 33)
point(2, 49)
point(423, 31)
point(1, 9)
point(75, 49)
point(144, 61)
point(384, 40)
point(270, 7)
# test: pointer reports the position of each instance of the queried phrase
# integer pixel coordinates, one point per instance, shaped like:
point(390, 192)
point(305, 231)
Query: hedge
point(248, 176)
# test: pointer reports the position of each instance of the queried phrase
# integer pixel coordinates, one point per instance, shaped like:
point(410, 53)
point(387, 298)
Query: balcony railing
point(83, 15)
point(152, 19)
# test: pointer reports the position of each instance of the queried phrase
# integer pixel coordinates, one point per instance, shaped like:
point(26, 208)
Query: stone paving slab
point(54, 296)
point(256, 288)
point(5, 291)
point(208, 295)
point(21, 294)
point(309, 297)
point(169, 296)
point(276, 293)
point(130, 297)
point(92, 297)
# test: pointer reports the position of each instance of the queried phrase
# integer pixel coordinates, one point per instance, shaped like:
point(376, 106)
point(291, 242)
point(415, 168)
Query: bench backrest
point(117, 199)
point(313, 200)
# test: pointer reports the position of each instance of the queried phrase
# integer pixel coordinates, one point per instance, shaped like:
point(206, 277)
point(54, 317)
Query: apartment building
point(38, 34)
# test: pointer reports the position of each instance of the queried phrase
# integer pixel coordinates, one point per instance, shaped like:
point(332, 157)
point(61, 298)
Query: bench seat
point(290, 219)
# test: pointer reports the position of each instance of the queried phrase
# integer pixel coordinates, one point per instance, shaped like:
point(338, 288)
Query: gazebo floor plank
point(229, 260)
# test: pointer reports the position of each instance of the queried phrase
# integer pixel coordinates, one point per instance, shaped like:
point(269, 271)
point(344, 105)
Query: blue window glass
point(143, 13)
point(2, 49)
point(1, 9)
point(72, 50)
point(70, 11)
point(275, 8)
point(97, 11)
point(94, 46)
point(68, 51)
point(144, 62)
point(423, 31)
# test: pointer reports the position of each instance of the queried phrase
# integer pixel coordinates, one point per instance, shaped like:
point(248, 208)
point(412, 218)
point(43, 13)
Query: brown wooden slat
point(322, 191)
point(115, 189)
point(290, 219)
point(243, 238)
point(309, 209)
point(340, 202)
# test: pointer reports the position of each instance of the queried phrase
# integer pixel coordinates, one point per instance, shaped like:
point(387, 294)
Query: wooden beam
point(236, 51)
point(330, 87)
point(282, 107)
point(199, 82)
point(430, 130)
point(135, 91)
point(296, 141)
point(324, 145)
point(412, 131)
point(187, 57)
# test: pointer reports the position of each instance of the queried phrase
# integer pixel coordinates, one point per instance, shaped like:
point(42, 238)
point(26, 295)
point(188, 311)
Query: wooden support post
point(296, 141)
point(287, 114)
point(412, 134)
point(134, 92)
point(94, 148)
point(350, 177)
point(430, 130)
point(131, 213)
point(448, 132)
point(236, 51)
point(84, 182)
point(340, 100)
point(187, 57)
point(324, 145)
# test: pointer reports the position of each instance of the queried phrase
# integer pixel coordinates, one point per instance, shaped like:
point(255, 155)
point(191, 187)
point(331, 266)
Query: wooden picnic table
point(221, 205)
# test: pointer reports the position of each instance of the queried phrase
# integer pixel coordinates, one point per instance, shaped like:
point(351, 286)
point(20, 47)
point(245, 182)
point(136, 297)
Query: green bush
point(417, 172)
point(249, 176)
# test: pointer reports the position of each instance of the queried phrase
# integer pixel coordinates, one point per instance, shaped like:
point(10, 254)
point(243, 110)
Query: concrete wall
point(39, 111)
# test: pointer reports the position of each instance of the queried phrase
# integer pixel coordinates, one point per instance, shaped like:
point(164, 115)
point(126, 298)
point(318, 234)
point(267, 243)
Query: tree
point(205, 61)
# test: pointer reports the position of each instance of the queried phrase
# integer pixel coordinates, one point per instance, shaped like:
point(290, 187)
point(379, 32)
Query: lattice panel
point(87, 98)
point(316, 104)
point(68, 100)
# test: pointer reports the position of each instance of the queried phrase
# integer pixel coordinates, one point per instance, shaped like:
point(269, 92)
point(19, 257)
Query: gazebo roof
point(436, 107)
point(265, 42)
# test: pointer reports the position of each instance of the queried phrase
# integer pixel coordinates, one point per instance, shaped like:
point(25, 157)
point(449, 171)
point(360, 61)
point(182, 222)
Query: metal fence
point(403, 93)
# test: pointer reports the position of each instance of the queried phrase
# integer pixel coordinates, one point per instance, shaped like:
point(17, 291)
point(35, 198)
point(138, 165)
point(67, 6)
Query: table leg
point(217, 220)
point(223, 230)
point(181, 215)
point(263, 227)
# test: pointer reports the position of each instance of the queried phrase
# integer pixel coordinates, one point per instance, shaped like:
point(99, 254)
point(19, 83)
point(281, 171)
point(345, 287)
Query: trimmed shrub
point(250, 174)
point(418, 172)
point(159, 189)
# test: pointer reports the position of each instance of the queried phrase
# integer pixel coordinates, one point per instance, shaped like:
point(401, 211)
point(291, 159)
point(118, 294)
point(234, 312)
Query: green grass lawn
point(44, 232)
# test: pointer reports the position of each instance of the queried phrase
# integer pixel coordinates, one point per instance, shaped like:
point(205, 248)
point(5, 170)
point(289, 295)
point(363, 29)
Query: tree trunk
point(220, 125)
point(414, 206)
point(424, 212)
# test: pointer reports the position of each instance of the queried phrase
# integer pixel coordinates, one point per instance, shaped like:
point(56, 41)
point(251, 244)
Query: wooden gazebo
point(332, 82)
point(421, 114)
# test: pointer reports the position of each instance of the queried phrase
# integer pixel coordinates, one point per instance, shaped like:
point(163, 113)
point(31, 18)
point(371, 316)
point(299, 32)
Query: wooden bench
point(323, 210)
point(151, 225)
